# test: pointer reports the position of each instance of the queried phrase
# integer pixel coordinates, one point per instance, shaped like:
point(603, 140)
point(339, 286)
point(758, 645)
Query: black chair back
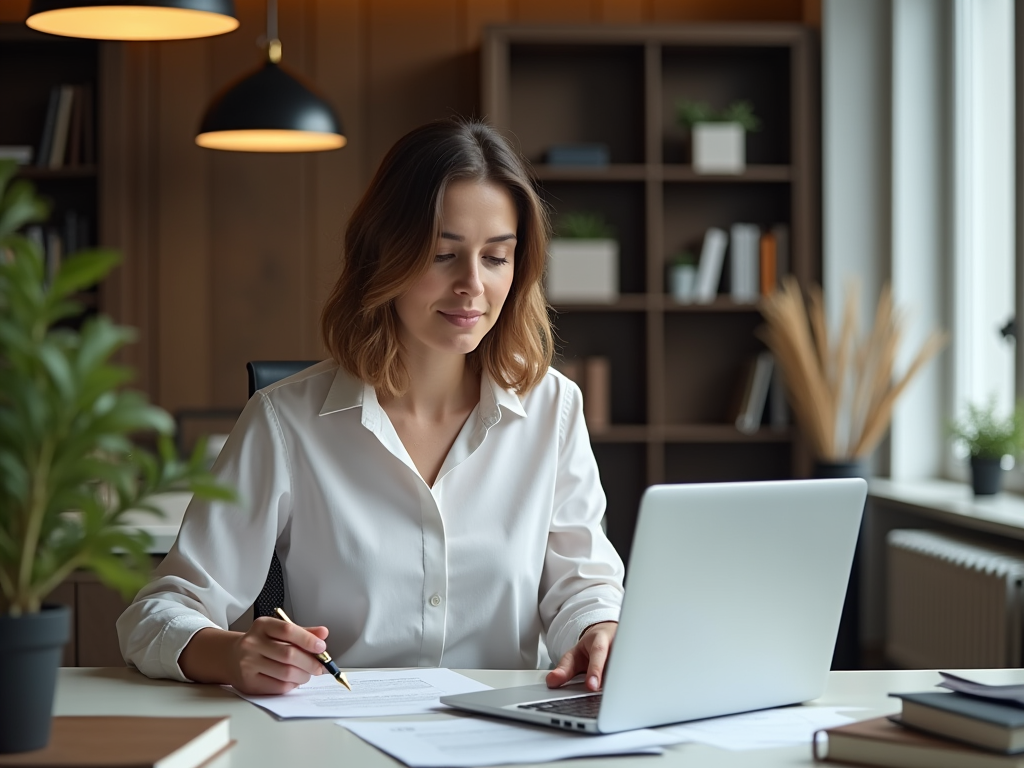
point(263, 373)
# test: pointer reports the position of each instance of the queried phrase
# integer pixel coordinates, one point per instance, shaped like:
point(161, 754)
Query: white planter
point(582, 271)
point(682, 279)
point(719, 148)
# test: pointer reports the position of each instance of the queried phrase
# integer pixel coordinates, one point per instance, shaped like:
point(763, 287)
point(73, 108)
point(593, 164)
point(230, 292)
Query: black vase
point(30, 653)
point(847, 653)
point(986, 475)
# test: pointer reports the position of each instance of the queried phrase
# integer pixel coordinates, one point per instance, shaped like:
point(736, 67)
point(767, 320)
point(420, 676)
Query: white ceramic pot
point(719, 148)
point(682, 279)
point(582, 271)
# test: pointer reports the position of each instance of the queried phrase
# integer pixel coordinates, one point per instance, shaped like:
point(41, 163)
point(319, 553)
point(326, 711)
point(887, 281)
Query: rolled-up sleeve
point(583, 574)
point(219, 562)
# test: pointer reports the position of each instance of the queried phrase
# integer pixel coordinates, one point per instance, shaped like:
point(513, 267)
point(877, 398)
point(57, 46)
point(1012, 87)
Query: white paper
point(469, 741)
point(784, 727)
point(373, 694)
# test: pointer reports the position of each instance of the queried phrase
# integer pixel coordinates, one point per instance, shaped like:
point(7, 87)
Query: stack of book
point(970, 726)
point(67, 139)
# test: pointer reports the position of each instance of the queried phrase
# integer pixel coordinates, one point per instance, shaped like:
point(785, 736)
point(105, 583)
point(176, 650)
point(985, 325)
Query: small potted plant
point(718, 138)
point(682, 276)
point(68, 467)
point(992, 442)
point(583, 260)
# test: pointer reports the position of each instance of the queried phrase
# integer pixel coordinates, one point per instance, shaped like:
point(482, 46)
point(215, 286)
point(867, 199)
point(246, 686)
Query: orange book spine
point(769, 277)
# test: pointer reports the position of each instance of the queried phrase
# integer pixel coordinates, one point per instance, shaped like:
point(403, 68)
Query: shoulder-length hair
point(391, 241)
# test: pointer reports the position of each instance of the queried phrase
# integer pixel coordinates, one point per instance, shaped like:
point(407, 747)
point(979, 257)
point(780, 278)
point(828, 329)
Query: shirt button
point(435, 600)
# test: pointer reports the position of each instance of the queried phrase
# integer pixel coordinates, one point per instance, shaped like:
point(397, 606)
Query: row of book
point(971, 725)
point(593, 375)
point(56, 241)
point(756, 260)
point(68, 138)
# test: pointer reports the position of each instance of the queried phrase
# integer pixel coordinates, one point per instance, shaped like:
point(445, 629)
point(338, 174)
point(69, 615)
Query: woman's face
point(458, 300)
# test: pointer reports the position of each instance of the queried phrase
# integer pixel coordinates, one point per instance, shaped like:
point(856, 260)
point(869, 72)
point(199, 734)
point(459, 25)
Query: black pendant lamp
point(133, 19)
point(270, 110)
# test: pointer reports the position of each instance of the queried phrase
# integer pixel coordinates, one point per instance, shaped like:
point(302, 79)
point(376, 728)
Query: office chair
point(263, 373)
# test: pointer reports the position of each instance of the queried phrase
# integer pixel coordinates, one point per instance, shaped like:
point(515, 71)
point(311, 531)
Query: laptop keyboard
point(576, 706)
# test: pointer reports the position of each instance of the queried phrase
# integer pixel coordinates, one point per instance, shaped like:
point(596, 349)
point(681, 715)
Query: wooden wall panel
point(183, 243)
point(727, 10)
point(561, 12)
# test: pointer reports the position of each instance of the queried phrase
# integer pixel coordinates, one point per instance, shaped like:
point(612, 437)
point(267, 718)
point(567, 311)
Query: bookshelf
point(675, 367)
point(31, 66)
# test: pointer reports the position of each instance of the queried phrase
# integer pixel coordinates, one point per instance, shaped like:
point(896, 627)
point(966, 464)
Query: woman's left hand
point(588, 655)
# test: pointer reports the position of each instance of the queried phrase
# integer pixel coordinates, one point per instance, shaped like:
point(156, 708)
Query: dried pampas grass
point(842, 390)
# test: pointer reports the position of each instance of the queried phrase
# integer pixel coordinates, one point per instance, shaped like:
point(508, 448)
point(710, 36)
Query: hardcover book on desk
point(128, 742)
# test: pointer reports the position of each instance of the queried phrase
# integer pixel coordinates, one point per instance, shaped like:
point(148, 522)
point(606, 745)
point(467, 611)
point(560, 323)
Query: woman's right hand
point(272, 657)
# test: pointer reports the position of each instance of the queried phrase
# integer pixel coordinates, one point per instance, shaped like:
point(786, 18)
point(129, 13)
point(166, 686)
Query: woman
point(430, 490)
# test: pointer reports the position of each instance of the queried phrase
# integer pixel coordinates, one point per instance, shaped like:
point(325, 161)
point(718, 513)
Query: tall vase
point(30, 651)
point(847, 653)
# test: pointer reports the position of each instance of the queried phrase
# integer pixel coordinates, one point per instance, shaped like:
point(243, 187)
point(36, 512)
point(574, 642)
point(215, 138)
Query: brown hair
point(390, 243)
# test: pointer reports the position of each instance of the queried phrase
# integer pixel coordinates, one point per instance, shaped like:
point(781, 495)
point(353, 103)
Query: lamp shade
point(133, 19)
point(270, 111)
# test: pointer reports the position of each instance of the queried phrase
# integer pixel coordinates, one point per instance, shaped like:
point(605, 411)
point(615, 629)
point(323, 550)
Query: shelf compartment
point(623, 471)
point(622, 205)
point(690, 209)
point(620, 337)
point(622, 433)
point(704, 362)
point(47, 174)
point(719, 76)
point(727, 462)
point(753, 173)
point(722, 433)
point(577, 93)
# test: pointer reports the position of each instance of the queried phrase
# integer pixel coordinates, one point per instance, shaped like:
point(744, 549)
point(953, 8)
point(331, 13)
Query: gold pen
point(324, 658)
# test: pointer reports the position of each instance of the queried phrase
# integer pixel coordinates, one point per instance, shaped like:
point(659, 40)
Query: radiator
point(952, 604)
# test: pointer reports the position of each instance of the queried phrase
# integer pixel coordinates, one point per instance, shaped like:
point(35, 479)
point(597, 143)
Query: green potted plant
point(68, 467)
point(718, 137)
point(989, 439)
point(583, 260)
point(682, 276)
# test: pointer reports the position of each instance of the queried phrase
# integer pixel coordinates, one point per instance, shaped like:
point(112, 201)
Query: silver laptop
point(732, 604)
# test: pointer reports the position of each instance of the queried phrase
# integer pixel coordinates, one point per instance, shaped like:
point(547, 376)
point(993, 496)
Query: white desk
point(264, 741)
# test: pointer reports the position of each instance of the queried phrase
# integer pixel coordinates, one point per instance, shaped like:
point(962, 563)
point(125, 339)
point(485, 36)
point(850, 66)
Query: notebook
point(733, 599)
point(128, 742)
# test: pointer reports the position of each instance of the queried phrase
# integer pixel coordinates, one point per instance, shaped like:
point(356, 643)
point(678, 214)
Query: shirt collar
point(349, 392)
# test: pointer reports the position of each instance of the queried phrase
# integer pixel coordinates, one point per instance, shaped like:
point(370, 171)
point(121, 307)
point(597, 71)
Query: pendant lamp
point(270, 110)
point(133, 19)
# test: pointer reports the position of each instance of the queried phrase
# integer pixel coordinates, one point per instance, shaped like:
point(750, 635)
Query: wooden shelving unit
point(675, 367)
point(30, 65)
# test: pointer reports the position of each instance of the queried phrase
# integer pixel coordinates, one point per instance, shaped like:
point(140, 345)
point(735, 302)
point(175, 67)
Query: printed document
point(470, 741)
point(373, 694)
point(764, 729)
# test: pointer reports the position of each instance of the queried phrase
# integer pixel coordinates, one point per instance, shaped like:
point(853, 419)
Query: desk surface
point(264, 741)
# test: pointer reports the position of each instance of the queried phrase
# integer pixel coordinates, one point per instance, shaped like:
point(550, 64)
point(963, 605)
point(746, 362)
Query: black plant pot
point(847, 653)
point(986, 475)
point(30, 652)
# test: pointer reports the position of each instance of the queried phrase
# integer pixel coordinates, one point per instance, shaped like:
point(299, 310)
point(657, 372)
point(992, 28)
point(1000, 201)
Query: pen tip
point(341, 679)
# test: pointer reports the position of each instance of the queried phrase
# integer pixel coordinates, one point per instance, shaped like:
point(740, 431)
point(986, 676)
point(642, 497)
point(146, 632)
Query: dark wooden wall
point(228, 256)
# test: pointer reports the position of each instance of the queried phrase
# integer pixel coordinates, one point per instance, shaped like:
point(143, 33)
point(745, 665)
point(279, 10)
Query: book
point(981, 722)
point(46, 141)
point(73, 156)
point(884, 742)
point(769, 274)
point(778, 403)
point(754, 396)
point(128, 742)
point(61, 126)
point(743, 262)
point(597, 393)
point(709, 268)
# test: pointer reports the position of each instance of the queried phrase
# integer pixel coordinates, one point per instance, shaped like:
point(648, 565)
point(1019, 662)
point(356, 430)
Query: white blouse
point(501, 562)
